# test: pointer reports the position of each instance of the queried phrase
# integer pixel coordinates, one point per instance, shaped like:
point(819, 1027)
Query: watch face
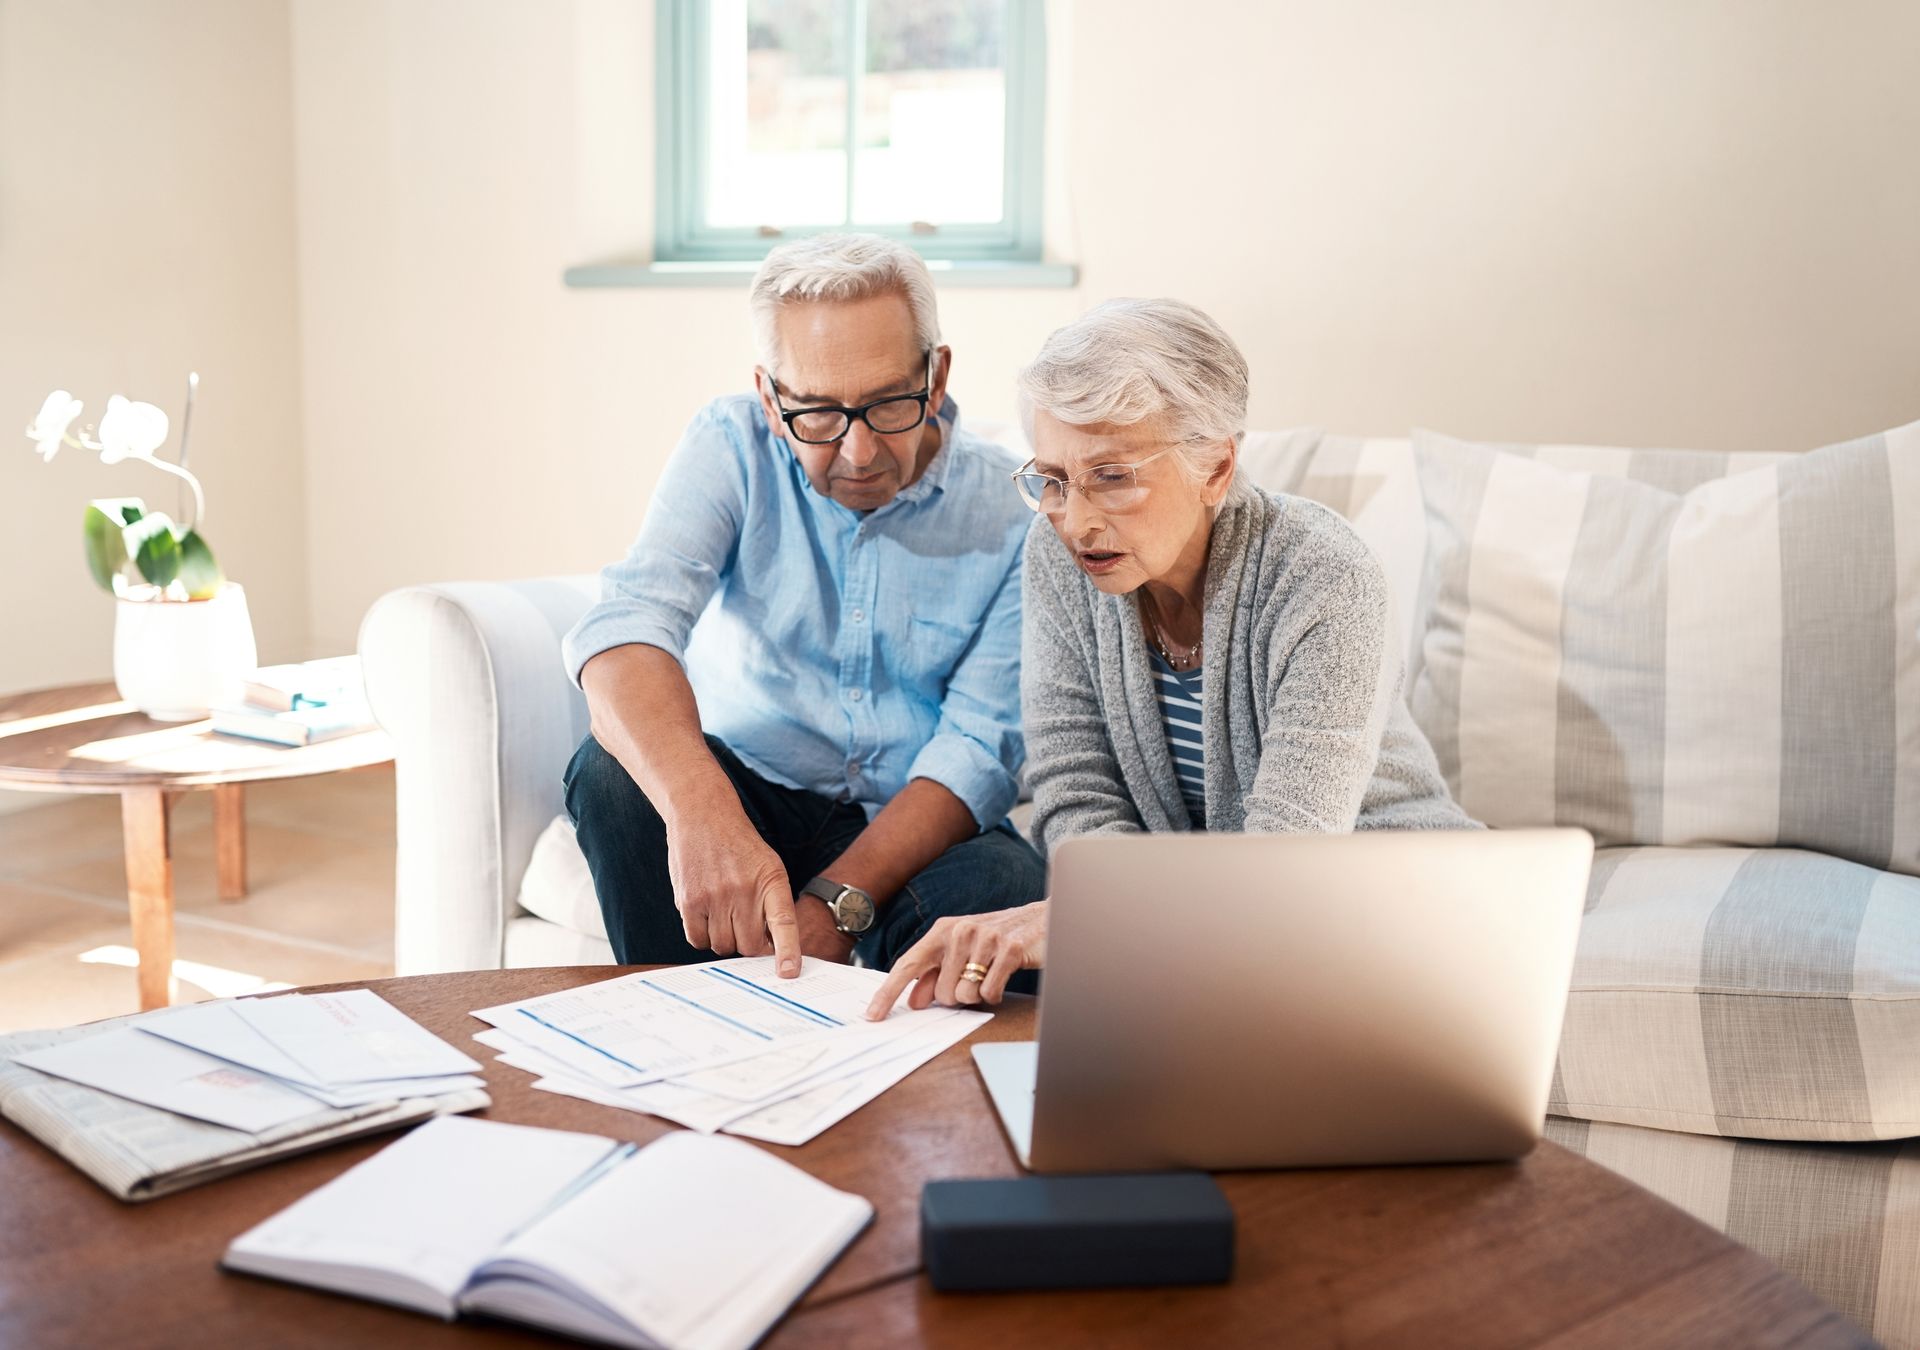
point(854, 910)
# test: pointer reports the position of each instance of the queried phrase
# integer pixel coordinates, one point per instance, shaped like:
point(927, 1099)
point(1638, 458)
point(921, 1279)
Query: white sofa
point(1820, 1177)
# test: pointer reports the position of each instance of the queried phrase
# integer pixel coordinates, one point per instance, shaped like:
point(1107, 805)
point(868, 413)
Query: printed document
point(792, 1115)
point(642, 1028)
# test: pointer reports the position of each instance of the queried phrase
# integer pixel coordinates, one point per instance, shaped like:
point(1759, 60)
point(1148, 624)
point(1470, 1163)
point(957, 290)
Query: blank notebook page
point(696, 1241)
point(430, 1206)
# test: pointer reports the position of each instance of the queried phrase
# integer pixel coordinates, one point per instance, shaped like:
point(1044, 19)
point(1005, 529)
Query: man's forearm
point(924, 820)
point(643, 713)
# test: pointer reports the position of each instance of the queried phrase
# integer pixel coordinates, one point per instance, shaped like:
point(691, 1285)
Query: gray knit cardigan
point(1304, 725)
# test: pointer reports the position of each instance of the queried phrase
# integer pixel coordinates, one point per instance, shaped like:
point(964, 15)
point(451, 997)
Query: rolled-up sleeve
point(686, 543)
point(976, 749)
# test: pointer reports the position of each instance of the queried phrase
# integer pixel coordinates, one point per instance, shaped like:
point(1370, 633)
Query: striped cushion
point(1770, 993)
point(1670, 657)
point(1373, 482)
point(1843, 1219)
point(1370, 481)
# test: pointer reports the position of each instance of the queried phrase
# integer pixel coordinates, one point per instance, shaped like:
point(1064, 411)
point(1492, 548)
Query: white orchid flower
point(131, 430)
point(50, 427)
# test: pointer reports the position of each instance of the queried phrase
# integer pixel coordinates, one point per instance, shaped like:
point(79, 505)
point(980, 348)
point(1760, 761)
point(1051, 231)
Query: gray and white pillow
point(1666, 656)
point(1371, 482)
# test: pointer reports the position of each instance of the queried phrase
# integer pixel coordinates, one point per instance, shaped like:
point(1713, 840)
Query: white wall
point(1627, 221)
point(1615, 220)
point(1632, 221)
point(146, 229)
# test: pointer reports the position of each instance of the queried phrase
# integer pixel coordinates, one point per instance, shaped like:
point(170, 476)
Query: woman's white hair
point(1126, 361)
point(841, 267)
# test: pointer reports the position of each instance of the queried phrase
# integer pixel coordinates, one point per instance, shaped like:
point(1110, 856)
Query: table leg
point(143, 821)
point(230, 839)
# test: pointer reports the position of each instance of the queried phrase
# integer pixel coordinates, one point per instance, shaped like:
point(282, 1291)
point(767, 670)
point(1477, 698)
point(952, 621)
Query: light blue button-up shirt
point(840, 651)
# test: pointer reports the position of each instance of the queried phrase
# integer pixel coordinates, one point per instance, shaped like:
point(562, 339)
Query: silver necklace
point(1166, 648)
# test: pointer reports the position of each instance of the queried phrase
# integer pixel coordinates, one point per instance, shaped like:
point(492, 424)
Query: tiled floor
point(319, 906)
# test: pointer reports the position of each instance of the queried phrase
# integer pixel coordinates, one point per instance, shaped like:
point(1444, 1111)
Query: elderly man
point(804, 676)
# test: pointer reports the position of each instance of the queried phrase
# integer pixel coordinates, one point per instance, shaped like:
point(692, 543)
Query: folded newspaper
point(139, 1152)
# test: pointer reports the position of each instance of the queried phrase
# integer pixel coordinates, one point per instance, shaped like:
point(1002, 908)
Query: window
point(914, 118)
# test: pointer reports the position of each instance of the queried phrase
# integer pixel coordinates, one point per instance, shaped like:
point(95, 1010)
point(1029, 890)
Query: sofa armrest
point(467, 679)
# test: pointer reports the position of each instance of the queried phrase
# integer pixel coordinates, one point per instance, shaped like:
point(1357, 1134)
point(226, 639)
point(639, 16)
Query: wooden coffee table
point(83, 738)
point(1553, 1250)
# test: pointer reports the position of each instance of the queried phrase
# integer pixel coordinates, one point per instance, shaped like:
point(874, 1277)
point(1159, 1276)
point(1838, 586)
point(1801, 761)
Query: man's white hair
point(1126, 361)
point(841, 267)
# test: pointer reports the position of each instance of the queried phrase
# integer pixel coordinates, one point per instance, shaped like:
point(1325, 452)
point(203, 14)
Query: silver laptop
point(1229, 1001)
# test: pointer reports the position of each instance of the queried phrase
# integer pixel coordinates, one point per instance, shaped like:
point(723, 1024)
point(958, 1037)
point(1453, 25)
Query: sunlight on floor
point(215, 980)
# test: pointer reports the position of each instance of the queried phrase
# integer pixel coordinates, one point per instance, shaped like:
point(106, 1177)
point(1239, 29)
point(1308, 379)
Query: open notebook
point(693, 1242)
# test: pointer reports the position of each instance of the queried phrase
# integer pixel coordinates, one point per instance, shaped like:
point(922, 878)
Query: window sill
point(1012, 275)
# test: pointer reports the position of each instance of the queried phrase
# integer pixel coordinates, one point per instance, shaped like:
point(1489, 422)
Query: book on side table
point(692, 1242)
point(299, 704)
point(304, 684)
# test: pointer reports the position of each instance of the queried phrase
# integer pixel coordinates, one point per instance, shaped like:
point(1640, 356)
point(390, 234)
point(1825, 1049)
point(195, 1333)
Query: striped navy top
point(1179, 693)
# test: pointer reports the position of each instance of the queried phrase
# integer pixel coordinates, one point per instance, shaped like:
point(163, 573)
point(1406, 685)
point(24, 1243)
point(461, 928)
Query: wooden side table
point(84, 739)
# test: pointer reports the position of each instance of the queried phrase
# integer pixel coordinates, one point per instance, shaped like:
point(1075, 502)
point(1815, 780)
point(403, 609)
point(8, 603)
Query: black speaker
point(1076, 1232)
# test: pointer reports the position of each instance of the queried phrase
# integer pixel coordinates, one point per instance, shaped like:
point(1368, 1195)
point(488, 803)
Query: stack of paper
point(724, 1046)
point(300, 704)
point(146, 1114)
point(256, 1064)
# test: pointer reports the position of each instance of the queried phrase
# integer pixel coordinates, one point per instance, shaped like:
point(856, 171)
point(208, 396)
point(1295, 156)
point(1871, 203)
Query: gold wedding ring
point(973, 972)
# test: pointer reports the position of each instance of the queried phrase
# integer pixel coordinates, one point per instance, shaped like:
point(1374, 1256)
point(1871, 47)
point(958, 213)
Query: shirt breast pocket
point(934, 649)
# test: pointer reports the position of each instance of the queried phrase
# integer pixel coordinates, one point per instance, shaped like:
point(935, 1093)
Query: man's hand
point(818, 936)
point(1003, 942)
point(732, 891)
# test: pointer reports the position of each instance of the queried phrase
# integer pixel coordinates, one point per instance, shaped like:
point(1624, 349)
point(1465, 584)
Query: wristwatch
point(851, 907)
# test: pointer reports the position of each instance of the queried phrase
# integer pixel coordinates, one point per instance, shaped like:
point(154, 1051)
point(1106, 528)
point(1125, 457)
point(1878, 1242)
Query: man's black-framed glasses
point(888, 416)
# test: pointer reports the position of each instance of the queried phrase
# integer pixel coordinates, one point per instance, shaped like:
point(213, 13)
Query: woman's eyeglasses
point(888, 416)
point(1107, 487)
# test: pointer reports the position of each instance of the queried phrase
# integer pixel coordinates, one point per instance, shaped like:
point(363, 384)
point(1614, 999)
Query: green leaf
point(106, 548)
point(199, 573)
point(131, 510)
point(155, 551)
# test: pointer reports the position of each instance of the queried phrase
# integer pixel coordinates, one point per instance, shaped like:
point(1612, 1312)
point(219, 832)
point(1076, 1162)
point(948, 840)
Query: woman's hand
point(1003, 942)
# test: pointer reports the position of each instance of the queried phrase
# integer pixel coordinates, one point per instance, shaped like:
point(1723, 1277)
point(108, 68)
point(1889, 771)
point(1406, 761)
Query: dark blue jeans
point(625, 841)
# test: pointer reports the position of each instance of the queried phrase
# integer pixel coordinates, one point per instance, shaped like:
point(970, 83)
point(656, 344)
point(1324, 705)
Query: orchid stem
point(186, 421)
point(199, 501)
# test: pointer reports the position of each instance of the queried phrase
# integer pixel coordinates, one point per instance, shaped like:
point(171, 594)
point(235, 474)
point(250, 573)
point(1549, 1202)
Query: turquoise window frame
point(681, 233)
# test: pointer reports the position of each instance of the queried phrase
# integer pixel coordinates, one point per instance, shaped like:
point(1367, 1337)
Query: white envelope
point(129, 1063)
point(219, 1030)
point(351, 1037)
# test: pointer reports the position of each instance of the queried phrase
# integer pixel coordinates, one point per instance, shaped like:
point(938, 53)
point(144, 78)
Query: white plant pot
point(176, 659)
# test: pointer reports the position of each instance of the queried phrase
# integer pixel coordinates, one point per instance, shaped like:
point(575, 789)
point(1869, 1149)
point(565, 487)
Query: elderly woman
point(1196, 653)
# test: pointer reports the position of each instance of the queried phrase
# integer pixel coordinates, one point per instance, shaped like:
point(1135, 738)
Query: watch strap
point(833, 893)
point(822, 889)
